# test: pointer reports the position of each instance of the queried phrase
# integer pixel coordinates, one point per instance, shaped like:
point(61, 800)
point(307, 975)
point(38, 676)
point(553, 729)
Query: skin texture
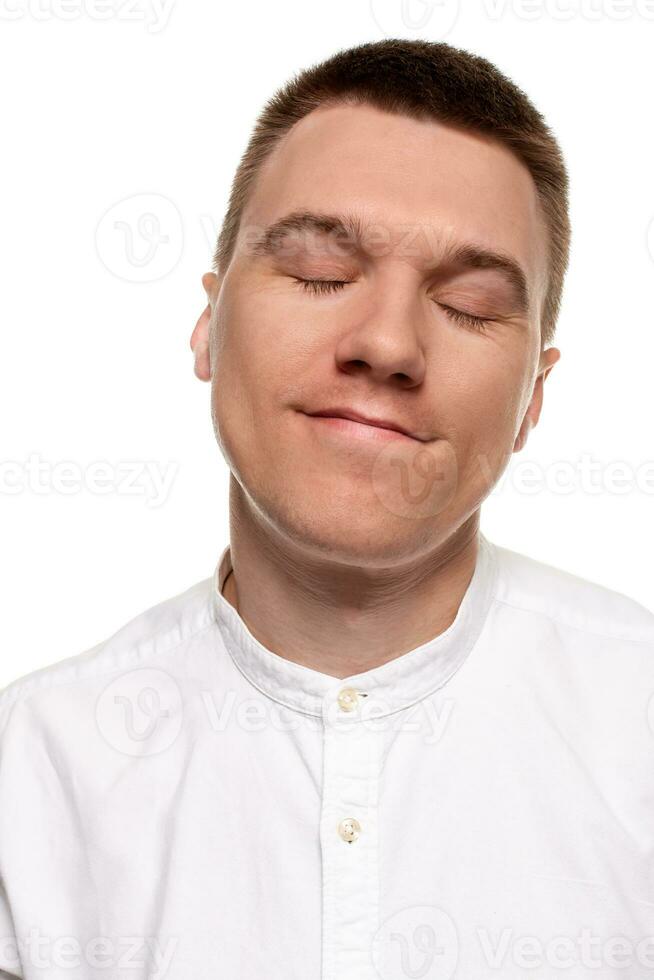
point(350, 549)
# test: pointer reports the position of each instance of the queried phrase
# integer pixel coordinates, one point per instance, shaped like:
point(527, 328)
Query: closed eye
point(320, 285)
point(323, 286)
point(466, 319)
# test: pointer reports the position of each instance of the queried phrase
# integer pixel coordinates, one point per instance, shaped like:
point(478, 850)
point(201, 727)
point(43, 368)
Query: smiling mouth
point(358, 428)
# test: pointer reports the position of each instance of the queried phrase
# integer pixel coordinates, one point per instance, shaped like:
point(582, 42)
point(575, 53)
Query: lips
point(377, 422)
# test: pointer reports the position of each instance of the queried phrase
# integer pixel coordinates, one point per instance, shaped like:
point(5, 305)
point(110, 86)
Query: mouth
point(358, 426)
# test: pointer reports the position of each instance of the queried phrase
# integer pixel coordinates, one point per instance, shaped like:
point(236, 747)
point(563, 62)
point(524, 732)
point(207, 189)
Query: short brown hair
point(423, 80)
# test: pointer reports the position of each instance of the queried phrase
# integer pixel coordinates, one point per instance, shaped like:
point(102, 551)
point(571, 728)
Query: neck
point(341, 618)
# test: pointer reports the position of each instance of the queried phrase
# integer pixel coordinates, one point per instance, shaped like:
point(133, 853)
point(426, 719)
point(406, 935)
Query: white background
point(105, 100)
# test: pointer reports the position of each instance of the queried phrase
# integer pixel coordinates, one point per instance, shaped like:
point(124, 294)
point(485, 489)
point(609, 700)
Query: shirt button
point(349, 829)
point(348, 699)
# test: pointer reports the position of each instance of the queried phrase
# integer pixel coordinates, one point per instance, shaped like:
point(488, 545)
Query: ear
point(548, 359)
point(200, 336)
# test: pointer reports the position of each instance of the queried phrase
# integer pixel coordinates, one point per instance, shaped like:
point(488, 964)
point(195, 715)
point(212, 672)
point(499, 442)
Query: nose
point(383, 340)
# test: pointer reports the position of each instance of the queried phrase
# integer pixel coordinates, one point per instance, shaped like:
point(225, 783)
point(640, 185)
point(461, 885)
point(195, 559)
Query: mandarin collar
point(395, 685)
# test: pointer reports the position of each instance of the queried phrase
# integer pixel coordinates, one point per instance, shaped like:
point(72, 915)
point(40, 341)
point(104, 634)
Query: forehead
point(400, 173)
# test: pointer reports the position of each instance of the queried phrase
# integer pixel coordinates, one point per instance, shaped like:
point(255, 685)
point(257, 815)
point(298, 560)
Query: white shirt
point(181, 802)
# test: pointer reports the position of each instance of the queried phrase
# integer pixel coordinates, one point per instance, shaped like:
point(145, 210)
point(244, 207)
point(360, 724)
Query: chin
point(349, 535)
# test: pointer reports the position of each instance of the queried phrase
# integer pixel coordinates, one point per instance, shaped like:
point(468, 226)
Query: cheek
point(252, 358)
point(483, 407)
point(266, 346)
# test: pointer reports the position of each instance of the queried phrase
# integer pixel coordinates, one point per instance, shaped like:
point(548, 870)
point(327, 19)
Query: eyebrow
point(468, 255)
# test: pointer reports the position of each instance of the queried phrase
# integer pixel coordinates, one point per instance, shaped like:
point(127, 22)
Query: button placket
point(349, 838)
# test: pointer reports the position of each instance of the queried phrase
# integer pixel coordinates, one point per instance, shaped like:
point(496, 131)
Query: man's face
point(390, 343)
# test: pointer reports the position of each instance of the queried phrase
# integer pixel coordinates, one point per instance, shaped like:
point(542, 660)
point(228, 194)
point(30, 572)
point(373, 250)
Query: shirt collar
point(395, 685)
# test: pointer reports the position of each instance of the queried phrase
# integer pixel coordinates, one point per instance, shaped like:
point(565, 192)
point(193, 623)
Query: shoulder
point(147, 639)
point(568, 601)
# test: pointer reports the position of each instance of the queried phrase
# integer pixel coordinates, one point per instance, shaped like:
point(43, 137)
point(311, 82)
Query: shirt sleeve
point(9, 958)
point(10, 963)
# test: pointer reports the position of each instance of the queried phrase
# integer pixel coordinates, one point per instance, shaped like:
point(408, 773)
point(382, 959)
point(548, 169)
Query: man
point(373, 743)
